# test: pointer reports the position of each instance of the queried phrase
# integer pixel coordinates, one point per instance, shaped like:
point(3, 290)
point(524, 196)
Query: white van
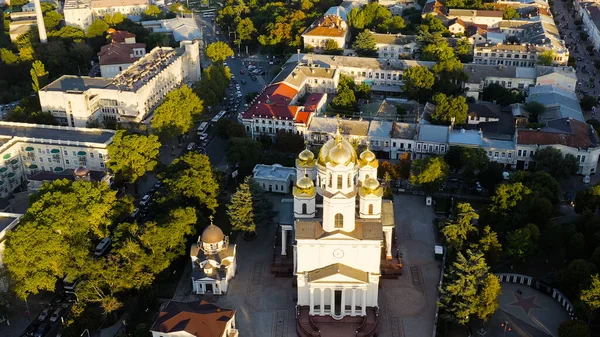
point(202, 128)
point(102, 246)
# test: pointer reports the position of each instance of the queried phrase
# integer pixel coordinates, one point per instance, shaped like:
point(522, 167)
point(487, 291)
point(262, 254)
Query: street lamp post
point(84, 331)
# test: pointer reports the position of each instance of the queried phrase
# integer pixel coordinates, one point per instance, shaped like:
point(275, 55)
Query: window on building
point(349, 180)
point(304, 207)
point(495, 154)
point(409, 146)
point(339, 181)
point(509, 155)
point(583, 159)
point(370, 208)
point(330, 180)
point(339, 221)
point(67, 161)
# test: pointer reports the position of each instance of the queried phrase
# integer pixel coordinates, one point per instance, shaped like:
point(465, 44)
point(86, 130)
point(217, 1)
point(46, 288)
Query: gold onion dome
point(304, 183)
point(339, 155)
point(306, 156)
point(371, 184)
point(212, 234)
point(367, 156)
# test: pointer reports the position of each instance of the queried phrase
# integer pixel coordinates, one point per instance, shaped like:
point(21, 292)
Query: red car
point(242, 72)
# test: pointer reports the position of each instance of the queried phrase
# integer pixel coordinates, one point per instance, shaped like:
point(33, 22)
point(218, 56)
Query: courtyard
point(265, 304)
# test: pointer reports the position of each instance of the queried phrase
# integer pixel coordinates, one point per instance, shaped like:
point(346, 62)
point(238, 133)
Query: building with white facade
point(559, 102)
point(194, 319)
point(28, 150)
point(476, 16)
point(213, 262)
point(332, 26)
point(338, 250)
point(182, 29)
point(130, 96)
point(120, 53)
point(395, 46)
point(81, 13)
point(431, 140)
point(590, 15)
point(274, 178)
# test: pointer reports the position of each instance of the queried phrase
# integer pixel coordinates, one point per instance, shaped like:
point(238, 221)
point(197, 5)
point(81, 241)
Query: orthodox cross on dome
point(368, 145)
point(306, 144)
point(211, 219)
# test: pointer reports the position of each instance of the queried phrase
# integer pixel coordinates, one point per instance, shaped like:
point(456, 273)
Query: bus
point(218, 116)
point(202, 128)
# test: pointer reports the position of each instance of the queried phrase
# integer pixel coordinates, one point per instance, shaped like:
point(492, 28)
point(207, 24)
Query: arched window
point(366, 177)
point(330, 180)
point(339, 221)
point(304, 211)
point(339, 181)
point(370, 208)
point(318, 180)
point(349, 180)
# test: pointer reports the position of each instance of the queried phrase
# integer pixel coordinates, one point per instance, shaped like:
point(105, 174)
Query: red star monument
point(526, 303)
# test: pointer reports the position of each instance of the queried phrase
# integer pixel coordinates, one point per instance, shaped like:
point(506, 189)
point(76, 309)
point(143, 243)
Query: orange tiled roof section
point(273, 103)
point(198, 319)
point(330, 25)
point(119, 36)
point(579, 138)
point(119, 53)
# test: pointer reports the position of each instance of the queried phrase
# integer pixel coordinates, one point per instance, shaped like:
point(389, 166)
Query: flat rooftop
point(77, 83)
point(40, 133)
point(146, 68)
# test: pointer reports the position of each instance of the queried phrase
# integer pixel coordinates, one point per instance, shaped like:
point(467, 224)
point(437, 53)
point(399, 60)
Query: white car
point(191, 146)
point(145, 200)
point(55, 315)
point(478, 187)
point(203, 137)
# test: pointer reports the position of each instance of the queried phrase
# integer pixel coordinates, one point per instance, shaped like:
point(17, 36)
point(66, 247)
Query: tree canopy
point(418, 82)
point(241, 209)
point(448, 108)
point(551, 160)
point(131, 155)
point(218, 51)
point(153, 13)
point(365, 44)
point(98, 28)
point(193, 177)
point(175, 116)
point(546, 58)
point(457, 231)
point(429, 173)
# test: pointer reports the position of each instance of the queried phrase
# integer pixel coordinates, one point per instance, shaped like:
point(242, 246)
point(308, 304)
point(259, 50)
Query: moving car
point(191, 146)
point(55, 315)
point(145, 200)
point(42, 317)
point(243, 81)
point(41, 330)
point(203, 137)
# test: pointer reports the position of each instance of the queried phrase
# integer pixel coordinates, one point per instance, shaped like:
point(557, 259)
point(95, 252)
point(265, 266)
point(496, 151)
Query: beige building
point(78, 13)
point(476, 16)
point(29, 150)
point(81, 13)
point(130, 96)
point(120, 54)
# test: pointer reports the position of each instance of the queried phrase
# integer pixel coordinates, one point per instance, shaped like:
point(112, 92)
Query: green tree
point(590, 296)
point(491, 176)
point(488, 242)
point(431, 24)
point(391, 25)
point(332, 48)
point(551, 160)
point(345, 99)
point(288, 142)
point(474, 160)
point(535, 109)
point(241, 210)
point(365, 44)
point(245, 29)
point(463, 48)
point(456, 232)
point(131, 156)
point(507, 197)
point(510, 13)
point(573, 328)
point(429, 173)
point(179, 8)
point(114, 19)
point(54, 236)
point(588, 102)
point(502, 96)
point(98, 28)
point(175, 116)
point(152, 13)
point(39, 75)
point(52, 19)
point(546, 58)
point(447, 108)
point(193, 177)
point(245, 153)
point(522, 243)
point(418, 82)
point(575, 277)
point(470, 289)
point(226, 128)
point(218, 51)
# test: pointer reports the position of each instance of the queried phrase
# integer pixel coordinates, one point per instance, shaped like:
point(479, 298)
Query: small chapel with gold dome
point(342, 231)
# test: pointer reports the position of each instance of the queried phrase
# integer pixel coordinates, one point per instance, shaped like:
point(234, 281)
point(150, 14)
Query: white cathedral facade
point(339, 245)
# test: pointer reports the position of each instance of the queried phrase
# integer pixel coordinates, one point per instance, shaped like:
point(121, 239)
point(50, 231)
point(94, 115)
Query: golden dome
point(304, 183)
point(339, 155)
point(371, 184)
point(344, 156)
point(306, 155)
point(367, 156)
point(212, 234)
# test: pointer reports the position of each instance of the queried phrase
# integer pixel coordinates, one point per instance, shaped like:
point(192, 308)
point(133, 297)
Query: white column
point(283, 243)
point(343, 304)
point(332, 306)
point(353, 312)
point(388, 244)
point(311, 301)
point(295, 254)
point(364, 302)
point(322, 301)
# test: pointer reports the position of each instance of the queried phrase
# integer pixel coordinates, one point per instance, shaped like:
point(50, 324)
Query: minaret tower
point(40, 21)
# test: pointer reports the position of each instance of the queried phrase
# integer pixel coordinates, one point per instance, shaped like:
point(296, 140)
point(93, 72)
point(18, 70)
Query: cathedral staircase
point(304, 325)
point(326, 326)
point(369, 326)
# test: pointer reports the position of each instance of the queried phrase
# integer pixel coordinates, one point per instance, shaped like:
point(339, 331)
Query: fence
point(531, 282)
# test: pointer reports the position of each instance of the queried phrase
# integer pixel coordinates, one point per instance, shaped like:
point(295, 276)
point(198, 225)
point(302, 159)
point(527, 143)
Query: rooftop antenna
point(298, 59)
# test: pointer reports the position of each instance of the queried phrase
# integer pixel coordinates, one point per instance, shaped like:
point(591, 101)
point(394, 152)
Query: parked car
point(478, 187)
point(243, 81)
point(41, 331)
point(55, 315)
point(42, 317)
point(158, 184)
point(135, 213)
point(203, 137)
point(191, 146)
point(145, 200)
point(254, 79)
point(102, 247)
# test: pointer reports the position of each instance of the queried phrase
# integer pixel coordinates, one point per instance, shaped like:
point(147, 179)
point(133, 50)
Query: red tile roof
point(119, 53)
point(578, 138)
point(198, 319)
point(303, 117)
point(119, 36)
point(273, 103)
point(311, 101)
point(330, 25)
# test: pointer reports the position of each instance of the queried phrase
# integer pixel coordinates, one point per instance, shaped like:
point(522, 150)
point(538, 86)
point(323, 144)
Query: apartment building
point(28, 150)
point(395, 46)
point(81, 13)
point(476, 16)
point(590, 15)
point(129, 97)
